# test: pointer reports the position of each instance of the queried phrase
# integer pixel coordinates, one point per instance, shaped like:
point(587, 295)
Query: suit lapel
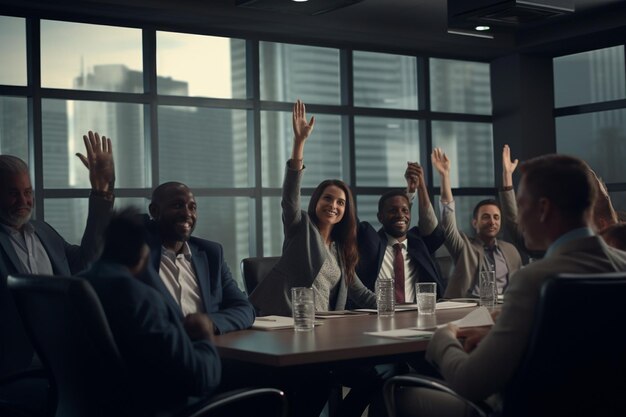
point(54, 255)
point(200, 264)
point(151, 276)
point(380, 250)
point(10, 254)
point(421, 258)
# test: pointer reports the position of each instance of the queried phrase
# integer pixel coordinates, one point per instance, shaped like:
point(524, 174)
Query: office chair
point(23, 386)
point(68, 327)
point(254, 270)
point(575, 363)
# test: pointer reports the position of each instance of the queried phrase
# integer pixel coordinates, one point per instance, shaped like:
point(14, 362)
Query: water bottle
point(385, 297)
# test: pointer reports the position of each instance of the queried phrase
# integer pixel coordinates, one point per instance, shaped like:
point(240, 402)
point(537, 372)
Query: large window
point(215, 113)
point(590, 101)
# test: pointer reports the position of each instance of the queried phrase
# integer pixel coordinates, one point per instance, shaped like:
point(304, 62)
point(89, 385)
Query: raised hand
point(508, 166)
point(414, 176)
point(301, 128)
point(99, 162)
point(440, 161)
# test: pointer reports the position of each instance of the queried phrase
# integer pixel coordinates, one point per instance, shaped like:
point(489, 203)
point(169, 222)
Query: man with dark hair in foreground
point(168, 359)
point(555, 201)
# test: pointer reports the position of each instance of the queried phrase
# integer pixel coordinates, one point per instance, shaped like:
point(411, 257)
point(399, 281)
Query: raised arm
point(508, 167)
point(99, 162)
point(415, 183)
point(454, 239)
point(293, 174)
point(301, 131)
point(442, 164)
point(507, 199)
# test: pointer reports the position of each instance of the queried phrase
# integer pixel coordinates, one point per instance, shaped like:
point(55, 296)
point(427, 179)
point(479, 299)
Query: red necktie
point(398, 273)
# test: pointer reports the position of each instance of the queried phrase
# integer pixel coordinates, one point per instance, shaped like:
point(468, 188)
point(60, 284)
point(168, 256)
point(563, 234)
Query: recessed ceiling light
point(480, 28)
point(299, 1)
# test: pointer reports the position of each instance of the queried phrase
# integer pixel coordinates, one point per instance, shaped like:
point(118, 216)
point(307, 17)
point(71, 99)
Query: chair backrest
point(16, 350)
point(418, 395)
point(576, 360)
point(65, 321)
point(255, 269)
point(258, 402)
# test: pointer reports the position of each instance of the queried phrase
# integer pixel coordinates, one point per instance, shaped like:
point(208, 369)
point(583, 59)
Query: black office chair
point(254, 270)
point(23, 386)
point(66, 322)
point(576, 359)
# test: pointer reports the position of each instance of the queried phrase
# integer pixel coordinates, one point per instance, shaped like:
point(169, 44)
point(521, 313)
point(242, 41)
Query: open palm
point(440, 161)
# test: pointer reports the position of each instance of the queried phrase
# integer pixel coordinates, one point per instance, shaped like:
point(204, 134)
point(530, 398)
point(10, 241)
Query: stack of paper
point(273, 323)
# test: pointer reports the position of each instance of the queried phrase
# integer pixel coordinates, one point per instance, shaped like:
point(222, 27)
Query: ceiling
point(410, 26)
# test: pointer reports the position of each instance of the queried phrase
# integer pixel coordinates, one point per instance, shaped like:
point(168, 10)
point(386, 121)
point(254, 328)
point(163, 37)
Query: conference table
point(297, 361)
point(335, 340)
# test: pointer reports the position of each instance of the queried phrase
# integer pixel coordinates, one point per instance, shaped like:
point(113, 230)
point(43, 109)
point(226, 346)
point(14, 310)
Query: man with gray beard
point(34, 247)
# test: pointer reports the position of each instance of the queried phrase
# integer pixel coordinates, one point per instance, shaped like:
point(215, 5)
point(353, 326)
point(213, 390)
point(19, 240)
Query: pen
point(264, 319)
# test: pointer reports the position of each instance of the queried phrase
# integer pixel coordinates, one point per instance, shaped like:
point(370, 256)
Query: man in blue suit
point(34, 247)
point(377, 249)
point(168, 360)
point(192, 273)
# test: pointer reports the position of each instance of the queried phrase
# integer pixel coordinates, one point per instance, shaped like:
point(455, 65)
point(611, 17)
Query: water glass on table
point(426, 295)
point(303, 307)
point(487, 289)
point(385, 297)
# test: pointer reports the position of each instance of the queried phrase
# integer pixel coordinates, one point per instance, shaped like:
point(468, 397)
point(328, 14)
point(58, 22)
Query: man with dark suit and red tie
point(397, 251)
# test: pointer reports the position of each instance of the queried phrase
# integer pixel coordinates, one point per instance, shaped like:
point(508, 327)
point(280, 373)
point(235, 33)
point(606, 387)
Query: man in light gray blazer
point(471, 255)
point(554, 199)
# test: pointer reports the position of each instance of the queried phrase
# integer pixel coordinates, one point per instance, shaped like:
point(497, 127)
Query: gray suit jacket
point(489, 368)
point(16, 352)
point(303, 255)
point(469, 255)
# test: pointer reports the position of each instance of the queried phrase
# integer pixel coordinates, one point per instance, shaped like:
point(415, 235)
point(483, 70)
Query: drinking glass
point(426, 294)
point(303, 307)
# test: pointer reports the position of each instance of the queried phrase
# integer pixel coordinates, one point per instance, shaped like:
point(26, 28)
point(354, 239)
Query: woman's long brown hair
point(344, 232)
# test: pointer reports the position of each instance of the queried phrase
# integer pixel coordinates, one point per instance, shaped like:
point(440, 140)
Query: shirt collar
point(574, 234)
point(392, 241)
point(186, 252)
point(493, 248)
point(28, 228)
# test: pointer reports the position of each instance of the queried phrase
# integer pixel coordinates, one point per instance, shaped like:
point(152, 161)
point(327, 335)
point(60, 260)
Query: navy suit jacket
point(164, 365)
point(16, 351)
point(372, 245)
point(227, 306)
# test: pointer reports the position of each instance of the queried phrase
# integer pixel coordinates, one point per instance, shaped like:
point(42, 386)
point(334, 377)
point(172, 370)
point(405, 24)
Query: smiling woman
point(320, 248)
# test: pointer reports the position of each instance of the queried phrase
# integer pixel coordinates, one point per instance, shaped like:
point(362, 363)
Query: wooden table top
point(337, 339)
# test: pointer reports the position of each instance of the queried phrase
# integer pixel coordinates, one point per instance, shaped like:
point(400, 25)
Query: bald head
point(173, 208)
point(162, 191)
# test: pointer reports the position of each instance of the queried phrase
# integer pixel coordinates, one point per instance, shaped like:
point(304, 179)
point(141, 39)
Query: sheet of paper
point(476, 318)
point(273, 323)
point(339, 314)
point(366, 310)
point(443, 305)
point(410, 333)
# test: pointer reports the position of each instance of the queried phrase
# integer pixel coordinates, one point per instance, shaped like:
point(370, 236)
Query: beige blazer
point(469, 255)
point(488, 369)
